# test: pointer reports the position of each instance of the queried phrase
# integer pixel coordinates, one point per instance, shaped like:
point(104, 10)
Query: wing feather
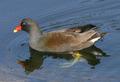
point(65, 41)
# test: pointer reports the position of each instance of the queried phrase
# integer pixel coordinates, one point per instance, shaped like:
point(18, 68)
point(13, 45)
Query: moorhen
point(68, 41)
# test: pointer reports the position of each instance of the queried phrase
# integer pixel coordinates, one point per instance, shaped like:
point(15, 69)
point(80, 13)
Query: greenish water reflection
point(92, 55)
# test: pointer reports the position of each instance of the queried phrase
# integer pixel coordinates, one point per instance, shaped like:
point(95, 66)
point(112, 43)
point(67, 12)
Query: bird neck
point(35, 34)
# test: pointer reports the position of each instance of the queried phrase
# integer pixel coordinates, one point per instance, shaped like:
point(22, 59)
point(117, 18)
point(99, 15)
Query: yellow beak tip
point(14, 30)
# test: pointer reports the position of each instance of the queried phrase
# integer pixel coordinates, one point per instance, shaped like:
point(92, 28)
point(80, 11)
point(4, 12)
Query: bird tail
point(103, 34)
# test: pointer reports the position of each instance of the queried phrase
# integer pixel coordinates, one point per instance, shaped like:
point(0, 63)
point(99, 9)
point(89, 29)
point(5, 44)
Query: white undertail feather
point(95, 39)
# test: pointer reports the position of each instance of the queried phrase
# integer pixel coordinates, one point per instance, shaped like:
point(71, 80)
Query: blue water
point(52, 15)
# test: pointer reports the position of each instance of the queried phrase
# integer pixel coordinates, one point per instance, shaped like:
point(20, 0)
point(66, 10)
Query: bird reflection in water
point(92, 55)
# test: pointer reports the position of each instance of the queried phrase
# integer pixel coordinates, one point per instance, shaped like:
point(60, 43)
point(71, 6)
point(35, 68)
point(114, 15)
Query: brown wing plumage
point(65, 41)
point(55, 40)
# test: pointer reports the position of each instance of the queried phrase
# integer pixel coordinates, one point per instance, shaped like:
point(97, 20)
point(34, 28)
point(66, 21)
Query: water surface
point(19, 64)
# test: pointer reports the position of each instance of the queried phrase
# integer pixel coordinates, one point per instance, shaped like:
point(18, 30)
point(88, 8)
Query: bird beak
point(17, 29)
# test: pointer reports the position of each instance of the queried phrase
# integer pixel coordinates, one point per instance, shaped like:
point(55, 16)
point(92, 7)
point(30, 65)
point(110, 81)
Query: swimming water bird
point(66, 41)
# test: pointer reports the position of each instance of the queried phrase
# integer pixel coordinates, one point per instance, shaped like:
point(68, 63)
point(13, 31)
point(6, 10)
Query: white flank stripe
point(95, 39)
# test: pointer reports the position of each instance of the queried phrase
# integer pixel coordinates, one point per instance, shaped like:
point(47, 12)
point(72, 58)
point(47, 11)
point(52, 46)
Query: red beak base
point(17, 29)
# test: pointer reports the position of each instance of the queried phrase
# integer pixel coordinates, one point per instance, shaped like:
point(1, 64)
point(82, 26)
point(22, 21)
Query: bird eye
point(23, 24)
